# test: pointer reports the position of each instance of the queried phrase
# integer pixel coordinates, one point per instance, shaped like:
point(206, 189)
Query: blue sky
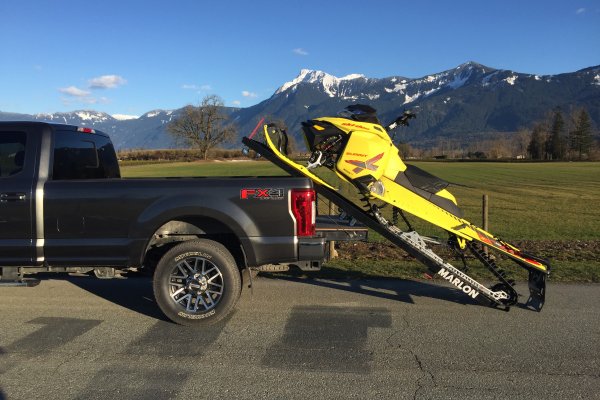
point(130, 57)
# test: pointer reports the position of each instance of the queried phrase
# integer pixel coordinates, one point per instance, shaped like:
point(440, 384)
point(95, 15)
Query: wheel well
point(190, 228)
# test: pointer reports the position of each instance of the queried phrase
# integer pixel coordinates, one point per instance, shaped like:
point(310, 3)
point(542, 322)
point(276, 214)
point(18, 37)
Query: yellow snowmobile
point(359, 149)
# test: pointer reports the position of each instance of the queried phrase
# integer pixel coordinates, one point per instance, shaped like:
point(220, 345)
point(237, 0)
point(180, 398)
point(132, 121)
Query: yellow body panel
point(420, 207)
point(364, 154)
point(369, 151)
point(447, 195)
point(394, 166)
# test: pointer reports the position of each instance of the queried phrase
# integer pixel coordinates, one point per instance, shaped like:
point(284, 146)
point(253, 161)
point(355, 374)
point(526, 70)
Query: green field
point(552, 207)
point(527, 200)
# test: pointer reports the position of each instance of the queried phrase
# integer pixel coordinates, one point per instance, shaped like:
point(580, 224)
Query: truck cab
point(26, 166)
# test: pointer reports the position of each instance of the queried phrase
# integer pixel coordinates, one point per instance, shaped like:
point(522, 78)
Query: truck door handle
point(5, 197)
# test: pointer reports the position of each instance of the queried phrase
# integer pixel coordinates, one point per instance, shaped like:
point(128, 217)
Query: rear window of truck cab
point(12, 153)
point(83, 156)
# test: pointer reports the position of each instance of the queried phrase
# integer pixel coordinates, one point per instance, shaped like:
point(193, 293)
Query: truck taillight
point(303, 204)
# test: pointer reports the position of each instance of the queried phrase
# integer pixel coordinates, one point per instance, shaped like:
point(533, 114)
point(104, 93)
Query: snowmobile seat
point(427, 185)
point(424, 180)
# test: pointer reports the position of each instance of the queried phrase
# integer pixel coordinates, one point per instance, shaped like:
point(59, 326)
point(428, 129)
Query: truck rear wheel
point(197, 283)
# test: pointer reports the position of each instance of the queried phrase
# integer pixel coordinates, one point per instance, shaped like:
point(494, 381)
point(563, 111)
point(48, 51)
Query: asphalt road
point(82, 338)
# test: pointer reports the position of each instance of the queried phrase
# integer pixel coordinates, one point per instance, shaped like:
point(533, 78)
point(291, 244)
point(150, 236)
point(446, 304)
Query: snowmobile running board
point(416, 245)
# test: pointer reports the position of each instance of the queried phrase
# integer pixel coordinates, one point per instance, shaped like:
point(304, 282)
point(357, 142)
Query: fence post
point(332, 251)
point(484, 217)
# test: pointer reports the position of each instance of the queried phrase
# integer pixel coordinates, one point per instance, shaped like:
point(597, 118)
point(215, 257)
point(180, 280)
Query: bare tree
point(520, 142)
point(203, 127)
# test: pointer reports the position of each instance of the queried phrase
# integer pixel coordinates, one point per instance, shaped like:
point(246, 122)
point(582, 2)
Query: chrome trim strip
point(43, 171)
point(289, 195)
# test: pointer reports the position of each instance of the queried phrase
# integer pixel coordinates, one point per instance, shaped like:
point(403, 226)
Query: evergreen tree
point(556, 144)
point(535, 149)
point(580, 138)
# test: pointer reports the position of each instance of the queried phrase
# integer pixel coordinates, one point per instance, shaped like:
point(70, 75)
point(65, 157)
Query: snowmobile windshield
point(360, 112)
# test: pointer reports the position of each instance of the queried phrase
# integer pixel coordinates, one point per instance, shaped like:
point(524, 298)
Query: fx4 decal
point(262, 194)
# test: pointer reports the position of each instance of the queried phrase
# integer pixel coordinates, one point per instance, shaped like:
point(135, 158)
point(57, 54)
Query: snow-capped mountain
point(127, 132)
point(330, 85)
point(87, 116)
point(462, 103)
point(465, 103)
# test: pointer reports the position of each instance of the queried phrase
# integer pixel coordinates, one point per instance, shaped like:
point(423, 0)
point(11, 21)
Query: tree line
point(560, 139)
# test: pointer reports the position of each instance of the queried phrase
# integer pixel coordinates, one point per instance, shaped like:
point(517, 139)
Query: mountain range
point(466, 103)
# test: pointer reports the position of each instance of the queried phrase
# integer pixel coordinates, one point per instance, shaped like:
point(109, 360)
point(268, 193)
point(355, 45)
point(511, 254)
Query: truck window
point(107, 157)
point(12, 153)
point(78, 156)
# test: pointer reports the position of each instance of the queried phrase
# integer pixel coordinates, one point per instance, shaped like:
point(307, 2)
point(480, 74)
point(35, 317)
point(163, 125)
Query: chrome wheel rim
point(196, 284)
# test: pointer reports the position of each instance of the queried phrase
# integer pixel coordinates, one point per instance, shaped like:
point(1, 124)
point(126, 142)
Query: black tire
point(197, 283)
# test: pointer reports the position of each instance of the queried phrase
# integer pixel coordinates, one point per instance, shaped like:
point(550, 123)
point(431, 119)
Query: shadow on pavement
point(392, 289)
point(134, 293)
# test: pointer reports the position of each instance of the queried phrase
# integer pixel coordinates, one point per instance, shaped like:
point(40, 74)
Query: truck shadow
point(385, 288)
point(134, 293)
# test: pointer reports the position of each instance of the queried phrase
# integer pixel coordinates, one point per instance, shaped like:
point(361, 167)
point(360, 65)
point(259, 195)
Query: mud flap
point(537, 290)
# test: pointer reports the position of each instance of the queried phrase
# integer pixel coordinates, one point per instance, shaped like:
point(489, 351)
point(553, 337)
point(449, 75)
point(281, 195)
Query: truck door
point(17, 159)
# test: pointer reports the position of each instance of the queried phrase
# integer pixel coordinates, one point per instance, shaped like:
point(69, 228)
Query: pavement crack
point(66, 359)
point(388, 340)
point(426, 375)
point(426, 378)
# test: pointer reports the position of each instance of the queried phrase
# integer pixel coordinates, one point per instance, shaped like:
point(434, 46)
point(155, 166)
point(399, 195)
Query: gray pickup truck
point(65, 208)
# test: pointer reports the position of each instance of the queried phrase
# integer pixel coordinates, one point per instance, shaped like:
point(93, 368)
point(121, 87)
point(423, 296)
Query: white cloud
point(246, 93)
point(580, 11)
point(106, 82)
point(236, 102)
point(300, 51)
point(74, 91)
point(192, 86)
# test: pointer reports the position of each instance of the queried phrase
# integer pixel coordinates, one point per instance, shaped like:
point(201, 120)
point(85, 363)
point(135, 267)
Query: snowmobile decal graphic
point(369, 164)
point(466, 289)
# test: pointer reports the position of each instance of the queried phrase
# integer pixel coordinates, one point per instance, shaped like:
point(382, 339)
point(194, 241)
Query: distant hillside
point(466, 103)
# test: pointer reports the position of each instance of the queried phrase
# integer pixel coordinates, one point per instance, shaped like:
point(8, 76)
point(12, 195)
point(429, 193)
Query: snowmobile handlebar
point(401, 120)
